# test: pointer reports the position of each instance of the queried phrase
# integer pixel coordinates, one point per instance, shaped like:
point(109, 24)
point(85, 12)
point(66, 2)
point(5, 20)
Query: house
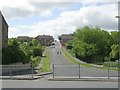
point(3, 32)
point(45, 39)
point(66, 38)
point(24, 38)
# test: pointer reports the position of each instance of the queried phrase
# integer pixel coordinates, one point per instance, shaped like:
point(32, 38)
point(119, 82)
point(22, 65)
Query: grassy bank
point(74, 61)
point(83, 64)
point(46, 63)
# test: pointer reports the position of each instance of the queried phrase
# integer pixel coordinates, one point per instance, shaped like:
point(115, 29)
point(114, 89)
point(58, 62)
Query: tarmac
point(111, 79)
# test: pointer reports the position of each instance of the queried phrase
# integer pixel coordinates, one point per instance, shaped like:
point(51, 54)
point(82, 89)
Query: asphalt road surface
point(57, 84)
point(56, 57)
point(65, 68)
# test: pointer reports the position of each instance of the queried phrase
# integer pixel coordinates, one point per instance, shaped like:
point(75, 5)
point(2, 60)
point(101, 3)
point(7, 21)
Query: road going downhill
point(56, 57)
point(64, 67)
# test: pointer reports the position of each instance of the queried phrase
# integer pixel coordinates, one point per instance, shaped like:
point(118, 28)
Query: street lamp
point(118, 31)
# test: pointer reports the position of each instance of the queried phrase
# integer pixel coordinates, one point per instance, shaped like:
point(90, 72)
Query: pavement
point(104, 79)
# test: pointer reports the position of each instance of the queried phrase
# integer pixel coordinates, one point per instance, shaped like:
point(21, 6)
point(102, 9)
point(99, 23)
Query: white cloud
point(102, 16)
point(13, 9)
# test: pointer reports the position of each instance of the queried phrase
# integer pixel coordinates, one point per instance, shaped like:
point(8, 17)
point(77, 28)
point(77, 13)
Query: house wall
point(0, 40)
point(0, 32)
point(4, 34)
point(66, 38)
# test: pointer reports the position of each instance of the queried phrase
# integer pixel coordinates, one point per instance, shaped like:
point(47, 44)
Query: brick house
point(24, 38)
point(45, 39)
point(66, 38)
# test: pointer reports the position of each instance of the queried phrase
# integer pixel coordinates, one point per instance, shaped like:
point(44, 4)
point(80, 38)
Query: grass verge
point(74, 61)
point(83, 64)
point(46, 63)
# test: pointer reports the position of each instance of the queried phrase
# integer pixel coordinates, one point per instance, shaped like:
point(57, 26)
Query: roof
point(3, 18)
point(22, 37)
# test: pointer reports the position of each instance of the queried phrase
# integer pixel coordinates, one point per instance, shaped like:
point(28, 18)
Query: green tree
point(114, 54)
point(35, 42)
point(12, 53)
point(91, 43)
point(19, 51)
point(37, 51)
point(115, 37)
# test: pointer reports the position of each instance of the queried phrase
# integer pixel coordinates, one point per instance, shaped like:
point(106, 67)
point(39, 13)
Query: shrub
point(37, 51)
point(35, 60)
point(13, 55)
point(111, 64)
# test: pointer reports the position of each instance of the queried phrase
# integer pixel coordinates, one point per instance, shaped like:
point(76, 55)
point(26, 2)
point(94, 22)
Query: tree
point(114, 54)
point(13, 42)
point(91, 43)
point(37, 51)
point(115, 37)
point(69, 45)
point(12, 53)
point(35, 42)
point(18, 51)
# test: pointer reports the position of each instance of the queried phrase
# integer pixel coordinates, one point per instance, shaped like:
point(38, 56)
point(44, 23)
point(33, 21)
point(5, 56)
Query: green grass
point(46, 63)
point(83, 64)
point(112, 64)
point(74, 61)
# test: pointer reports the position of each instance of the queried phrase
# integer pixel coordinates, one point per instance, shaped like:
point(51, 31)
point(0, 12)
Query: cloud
point(94, 15)
point(13, 9)
point(50, 5)
point(12, 13)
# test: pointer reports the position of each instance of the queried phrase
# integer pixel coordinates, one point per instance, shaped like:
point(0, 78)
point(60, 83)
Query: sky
point(36, 17)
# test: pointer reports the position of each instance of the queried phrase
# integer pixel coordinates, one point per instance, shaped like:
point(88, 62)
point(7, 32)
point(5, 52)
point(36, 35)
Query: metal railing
point(78, 71)
point(17, 72)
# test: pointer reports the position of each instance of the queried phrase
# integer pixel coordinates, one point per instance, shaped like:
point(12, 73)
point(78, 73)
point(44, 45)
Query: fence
point(78, 71)
point(17, 72)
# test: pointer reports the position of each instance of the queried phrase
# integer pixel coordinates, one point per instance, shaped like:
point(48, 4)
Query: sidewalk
point(111, 79)
point(20, 77)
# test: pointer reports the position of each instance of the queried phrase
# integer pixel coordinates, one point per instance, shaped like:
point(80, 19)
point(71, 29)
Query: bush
point(13, 55)
point(35, 60)
point(37, 51)
point(112, 64)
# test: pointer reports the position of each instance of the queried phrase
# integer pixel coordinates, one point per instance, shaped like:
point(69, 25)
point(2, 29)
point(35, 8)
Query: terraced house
point(45, 39)
point(24, 38)
point(66, 38)
point(3, 32)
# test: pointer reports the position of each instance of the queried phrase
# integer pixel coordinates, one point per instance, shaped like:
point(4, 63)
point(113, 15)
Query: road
point(59, 60)
point(64, 67)
point(57, 84)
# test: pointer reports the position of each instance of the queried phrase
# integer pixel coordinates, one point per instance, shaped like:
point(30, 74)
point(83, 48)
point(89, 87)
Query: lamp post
point(118, 31)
